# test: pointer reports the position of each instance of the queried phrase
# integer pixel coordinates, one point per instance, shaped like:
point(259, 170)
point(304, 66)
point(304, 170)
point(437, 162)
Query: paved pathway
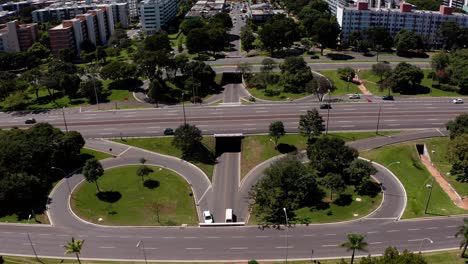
point(442, 181)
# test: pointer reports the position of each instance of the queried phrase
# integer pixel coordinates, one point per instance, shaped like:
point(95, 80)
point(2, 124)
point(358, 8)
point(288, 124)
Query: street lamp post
point(183, 108)
point(347, 86)
point(143, 247)
point(430, 186)
point(287, 224)
point(388, 167)
point(378, 120)
point(422, 240)
point(64, 120)
point(328, 113)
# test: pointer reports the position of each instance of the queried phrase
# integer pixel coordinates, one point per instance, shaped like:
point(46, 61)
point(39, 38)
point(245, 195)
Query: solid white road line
point(106, 247)
point(193, 248)
point(285, 247)
point(413, 229)
point(391, 231)
point(238, 248)
point(375, 243)
point(329, 245)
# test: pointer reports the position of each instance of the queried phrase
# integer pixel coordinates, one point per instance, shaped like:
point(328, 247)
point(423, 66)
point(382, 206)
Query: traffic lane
point(257, 126)
point(225, 185)
point(269, 243)
point(429, 104)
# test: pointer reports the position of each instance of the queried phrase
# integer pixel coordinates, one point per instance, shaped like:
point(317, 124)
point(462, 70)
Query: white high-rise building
point(156, 13)
point(456, 3)
point(424, 23)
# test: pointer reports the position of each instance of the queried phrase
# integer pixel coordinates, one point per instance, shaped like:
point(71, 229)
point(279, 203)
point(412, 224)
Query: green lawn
point(337, 213)
point(256, 149)
point(414, 177)
point(96, 154)
point(283, 96)
point(163, 145)
point(341, 85)
point(137, 204)
point(439, 157)
point(372, 80)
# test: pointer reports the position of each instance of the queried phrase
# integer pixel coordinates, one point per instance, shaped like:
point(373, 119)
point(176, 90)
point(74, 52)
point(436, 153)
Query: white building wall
point(9, 38)
point(91, 30)
point(156, 13)
point(101, 25)
point(78, 33)
point(424, 23)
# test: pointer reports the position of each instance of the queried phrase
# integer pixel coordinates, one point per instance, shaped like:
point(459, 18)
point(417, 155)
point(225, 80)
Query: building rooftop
point(206, 8)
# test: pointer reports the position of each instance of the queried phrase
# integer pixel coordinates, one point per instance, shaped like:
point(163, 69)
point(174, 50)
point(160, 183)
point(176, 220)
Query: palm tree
point(355, 241)
point(463, 231)
point(74, 246)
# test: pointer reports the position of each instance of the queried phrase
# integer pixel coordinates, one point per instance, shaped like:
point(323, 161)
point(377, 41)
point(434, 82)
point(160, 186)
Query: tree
point(330, 155)
point(287, 184)
point(87, 46)
point(457, 154)
point(459, 69)
point(334, 182)
point(392, 256)
point(158, 41)
point(118, 70)
point(268, 64)
point(92, 171)
point(406, 77)
point(295, 74)
point(197, 40)
point(382, 70)
point(378, 37)
point(247, 38)
point(359, 171)
point(320, 87)
point(346, 73)
point(38, 50)
point(187, 138)
point(74, 247)
point(143, 171)
point(67, 55)
point(217, 39)
point(101, 54)
point(191, 23)
point(452, 36)
point(278, 32)
point(277, 131)
point(388, 84)
point(326, 32)
point(311, 124)
point(354, 242)
point(156, 91)
point(90, 89)
point(458, 127)
point(463, 231)
point(222, 20)
point(407, 40)
point(151, 64)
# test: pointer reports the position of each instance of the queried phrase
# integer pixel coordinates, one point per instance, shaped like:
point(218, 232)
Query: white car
point(354, 96)
point(207, 217)
point(458, 101)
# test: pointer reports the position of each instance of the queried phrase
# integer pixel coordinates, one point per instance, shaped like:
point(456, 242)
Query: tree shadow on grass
point(109, 196)
point(344, 200)
point(151, 184)
point(286, 148)
point(200, 153)
point(337, 56)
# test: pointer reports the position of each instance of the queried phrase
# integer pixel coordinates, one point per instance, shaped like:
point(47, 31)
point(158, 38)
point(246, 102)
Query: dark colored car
point(325, 106)
point(388, 97)
point(30, 121)
point(168, 131)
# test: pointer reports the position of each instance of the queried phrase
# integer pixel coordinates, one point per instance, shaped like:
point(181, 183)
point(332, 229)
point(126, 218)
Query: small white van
point(229, 215)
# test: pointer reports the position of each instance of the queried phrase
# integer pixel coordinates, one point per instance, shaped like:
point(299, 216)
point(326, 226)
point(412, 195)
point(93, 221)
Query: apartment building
point(96, 25)
point(15, 37)
point(156, 13)
point(67, 11)
point(424, 23)
point(456, 3)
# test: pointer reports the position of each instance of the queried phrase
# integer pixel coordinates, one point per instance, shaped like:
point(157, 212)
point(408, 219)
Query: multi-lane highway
point(411, 113)
point(246, 242)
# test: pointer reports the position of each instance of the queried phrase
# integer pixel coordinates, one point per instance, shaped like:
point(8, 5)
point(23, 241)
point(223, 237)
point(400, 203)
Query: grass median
point(162, 198)
point(257, 149)
point(164, 146)
point(414, 178)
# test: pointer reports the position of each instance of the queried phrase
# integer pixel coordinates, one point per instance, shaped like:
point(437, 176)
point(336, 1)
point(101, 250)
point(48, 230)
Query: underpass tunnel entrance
point(228, 143)
point(231, 77)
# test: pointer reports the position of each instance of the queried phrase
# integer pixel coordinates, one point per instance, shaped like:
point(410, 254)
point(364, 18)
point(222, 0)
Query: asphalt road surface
point(414, 113)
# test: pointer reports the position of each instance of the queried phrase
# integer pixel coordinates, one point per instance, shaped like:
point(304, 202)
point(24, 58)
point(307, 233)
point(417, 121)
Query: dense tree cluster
point(393, 256)
point(27, 159)
point(207, 34)
point(278, 32)
point(458, 147)
point(295, 74)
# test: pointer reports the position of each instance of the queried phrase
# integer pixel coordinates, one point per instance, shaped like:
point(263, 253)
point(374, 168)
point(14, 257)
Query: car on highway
point(457, 101)
point(207, 217)
point(354, 96)
point(388, 97)
point(168, 131)
point(30, 121)
point(325, 106)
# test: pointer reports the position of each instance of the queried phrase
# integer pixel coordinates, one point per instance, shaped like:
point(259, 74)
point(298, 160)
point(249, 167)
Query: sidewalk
point(448, 189)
